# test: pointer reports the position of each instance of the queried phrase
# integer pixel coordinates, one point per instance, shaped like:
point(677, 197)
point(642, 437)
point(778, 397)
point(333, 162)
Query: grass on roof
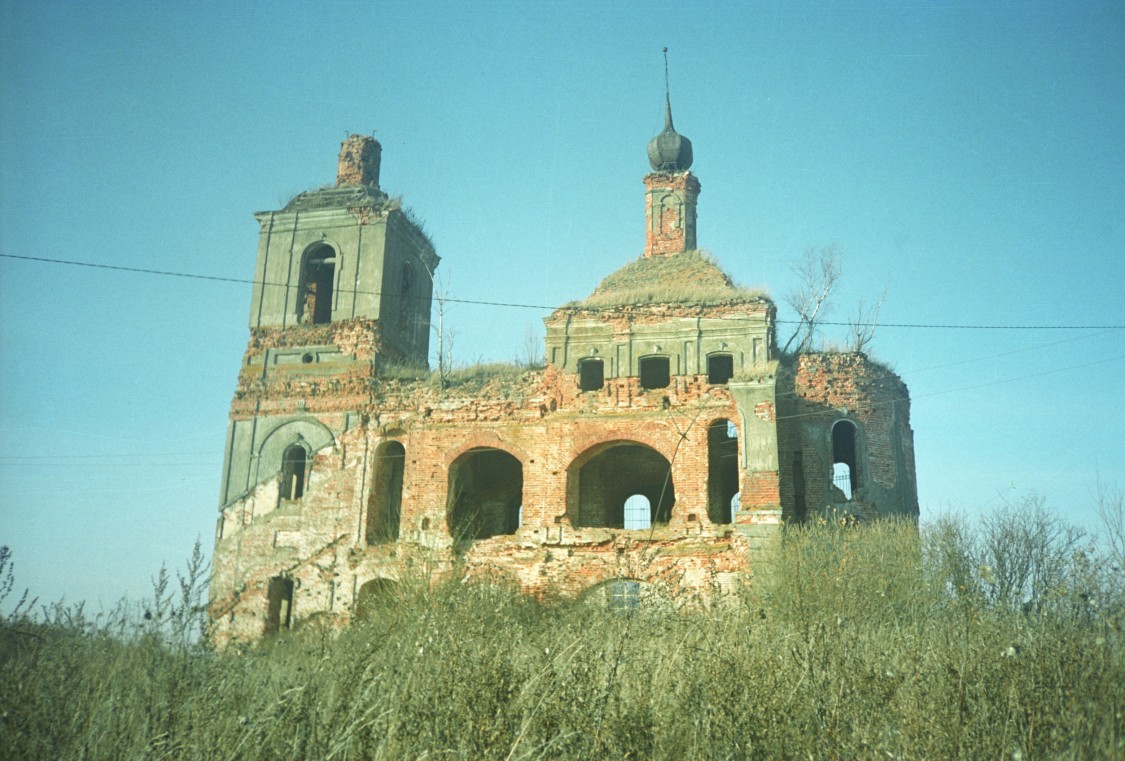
point(690, 277)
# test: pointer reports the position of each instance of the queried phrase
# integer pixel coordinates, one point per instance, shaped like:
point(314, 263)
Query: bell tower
point(346, 252)
point(343, 282)
point(671, 189)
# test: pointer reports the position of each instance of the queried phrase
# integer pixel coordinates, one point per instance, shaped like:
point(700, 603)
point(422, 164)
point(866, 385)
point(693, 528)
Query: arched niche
point(309, 433)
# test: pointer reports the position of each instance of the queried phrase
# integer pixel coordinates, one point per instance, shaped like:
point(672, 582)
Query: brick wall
point(814, 392)
point(542, 420)
point(553, 430)
point(670, 228)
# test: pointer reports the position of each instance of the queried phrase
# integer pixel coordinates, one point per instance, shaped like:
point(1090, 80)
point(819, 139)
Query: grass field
point(880, 641)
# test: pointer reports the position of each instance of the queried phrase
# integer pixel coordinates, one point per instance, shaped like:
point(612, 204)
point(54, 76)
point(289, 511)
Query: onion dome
point(669, 151)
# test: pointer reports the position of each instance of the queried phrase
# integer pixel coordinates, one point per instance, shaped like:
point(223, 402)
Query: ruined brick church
point(662, 446)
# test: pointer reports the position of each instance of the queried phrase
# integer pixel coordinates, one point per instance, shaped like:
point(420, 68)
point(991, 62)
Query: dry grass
point(857, 648)
point(691, 277)
point(468, 379)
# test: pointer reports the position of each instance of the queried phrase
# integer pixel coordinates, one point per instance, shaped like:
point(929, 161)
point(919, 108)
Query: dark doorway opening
point(485, 495)
point(279, 613)
point(376, 597)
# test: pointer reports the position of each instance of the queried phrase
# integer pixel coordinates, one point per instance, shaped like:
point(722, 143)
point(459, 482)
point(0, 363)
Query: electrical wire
point(517, 305)
point(61, 460)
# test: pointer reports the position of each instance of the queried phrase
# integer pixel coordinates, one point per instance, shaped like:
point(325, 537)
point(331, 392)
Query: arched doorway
point(376, 597)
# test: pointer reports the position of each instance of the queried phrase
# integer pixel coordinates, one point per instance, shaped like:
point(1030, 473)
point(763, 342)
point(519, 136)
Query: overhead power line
point(516, 305)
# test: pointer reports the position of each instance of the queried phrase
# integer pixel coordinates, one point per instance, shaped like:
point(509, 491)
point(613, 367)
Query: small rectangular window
point(720, 369)
point(591, 374)
point(654, 372)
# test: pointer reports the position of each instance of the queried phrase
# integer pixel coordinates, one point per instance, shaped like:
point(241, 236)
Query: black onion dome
point(669, 151)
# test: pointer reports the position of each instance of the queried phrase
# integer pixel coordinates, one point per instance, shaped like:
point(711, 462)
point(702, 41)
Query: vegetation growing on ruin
point(690, 277)
point(466, 379)
point(998, 639)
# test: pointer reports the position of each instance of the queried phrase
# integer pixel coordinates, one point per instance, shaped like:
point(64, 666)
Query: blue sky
point(971, 161)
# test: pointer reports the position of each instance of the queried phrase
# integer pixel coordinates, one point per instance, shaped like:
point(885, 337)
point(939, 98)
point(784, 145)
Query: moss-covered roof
point(690, 277)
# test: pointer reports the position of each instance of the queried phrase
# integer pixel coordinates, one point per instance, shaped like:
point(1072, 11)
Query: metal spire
point(669, 151)
point(667, 97)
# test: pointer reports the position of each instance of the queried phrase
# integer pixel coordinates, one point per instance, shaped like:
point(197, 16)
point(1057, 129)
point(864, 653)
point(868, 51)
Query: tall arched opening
point(845, 457)
point(294, 464)
point(384, 507)
point(485, 495)
point(722, 470)
point(605, 477)
point(376, 598)
point(317, 278)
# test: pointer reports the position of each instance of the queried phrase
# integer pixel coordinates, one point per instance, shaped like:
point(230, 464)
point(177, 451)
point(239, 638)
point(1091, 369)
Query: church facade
point(652, 460)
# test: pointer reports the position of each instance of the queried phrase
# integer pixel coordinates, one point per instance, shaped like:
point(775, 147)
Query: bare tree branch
point(531, 354)
point(1110, 505)
point(444, 334)
point(818, 271)
point(862, 327)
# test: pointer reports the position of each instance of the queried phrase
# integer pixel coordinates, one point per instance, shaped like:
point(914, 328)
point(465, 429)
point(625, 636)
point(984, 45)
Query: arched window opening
point(591, 375)
point(617, 474)
point(722, 470)
point(654, 372)
point(294, 464)
point(316, 290)
point(485, 495)
point(720, 369)
point(279, 611)
point(384, 509)
point(735, 505)
point(637, 512)
point(845, 463)
point(374, 598)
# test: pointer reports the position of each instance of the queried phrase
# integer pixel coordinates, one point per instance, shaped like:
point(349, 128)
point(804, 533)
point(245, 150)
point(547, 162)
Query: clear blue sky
point(970, 160)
